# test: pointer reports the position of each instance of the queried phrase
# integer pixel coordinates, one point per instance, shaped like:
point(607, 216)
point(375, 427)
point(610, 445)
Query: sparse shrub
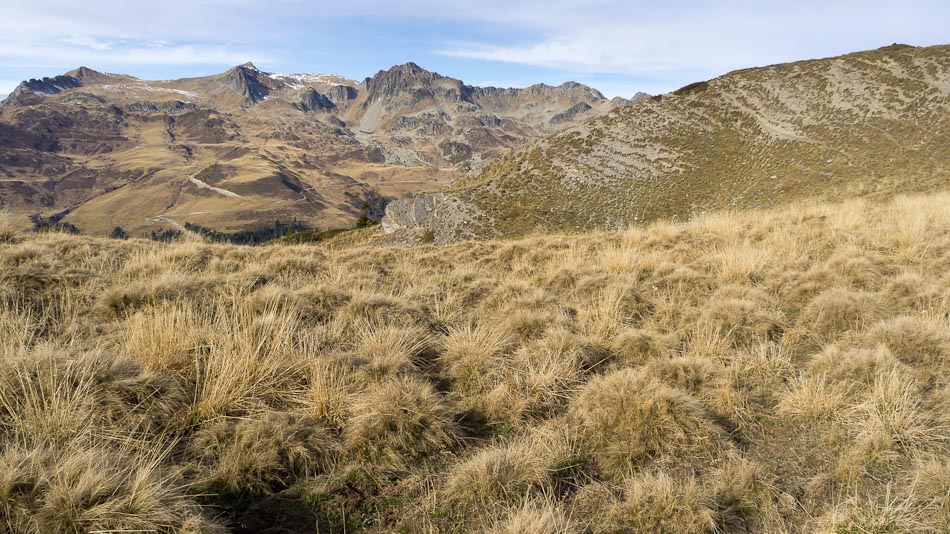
point(118, 233)
point(695, 87)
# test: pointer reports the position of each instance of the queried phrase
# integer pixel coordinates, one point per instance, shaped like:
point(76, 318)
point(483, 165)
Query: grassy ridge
point(776, 371)
point(869, 124)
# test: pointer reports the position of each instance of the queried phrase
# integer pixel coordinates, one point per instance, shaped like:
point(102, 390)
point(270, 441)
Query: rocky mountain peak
point(32, 91)
point(245, 80)
point(400, 79)
point(85, 74)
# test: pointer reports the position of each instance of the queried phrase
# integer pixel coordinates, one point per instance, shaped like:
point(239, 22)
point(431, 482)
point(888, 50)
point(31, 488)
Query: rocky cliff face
point(315, 101)
point(868, 124)
point(245, 81)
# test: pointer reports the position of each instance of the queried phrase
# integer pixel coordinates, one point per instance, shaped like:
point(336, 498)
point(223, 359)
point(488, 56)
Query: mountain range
point(241, 149)
point(867, 124)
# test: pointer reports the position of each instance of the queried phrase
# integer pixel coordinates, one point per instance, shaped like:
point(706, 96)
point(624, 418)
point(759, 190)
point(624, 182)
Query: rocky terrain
point(244, 148)
point(865, 124)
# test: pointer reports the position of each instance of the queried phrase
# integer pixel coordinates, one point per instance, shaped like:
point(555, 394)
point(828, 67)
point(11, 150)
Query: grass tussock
point(775, 371)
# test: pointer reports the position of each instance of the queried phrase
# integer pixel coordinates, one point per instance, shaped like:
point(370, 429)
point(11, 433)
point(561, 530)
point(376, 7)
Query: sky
point(618, 46)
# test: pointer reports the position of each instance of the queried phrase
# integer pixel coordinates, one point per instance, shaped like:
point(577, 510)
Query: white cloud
point(658, 45)
point(129, 54)
point(110, 32)
point(713, 39)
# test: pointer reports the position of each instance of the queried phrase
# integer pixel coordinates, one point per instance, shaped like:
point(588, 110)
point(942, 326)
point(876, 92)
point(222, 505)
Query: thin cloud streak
point(714, 40)
point(129, 55)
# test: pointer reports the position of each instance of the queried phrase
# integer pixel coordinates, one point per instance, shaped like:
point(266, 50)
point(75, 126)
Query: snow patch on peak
point(304, 80)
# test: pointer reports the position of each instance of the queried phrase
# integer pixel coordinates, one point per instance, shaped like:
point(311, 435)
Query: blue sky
point(619, 47)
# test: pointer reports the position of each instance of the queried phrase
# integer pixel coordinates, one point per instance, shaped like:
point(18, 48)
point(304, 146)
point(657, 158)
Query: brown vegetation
point(774, 371)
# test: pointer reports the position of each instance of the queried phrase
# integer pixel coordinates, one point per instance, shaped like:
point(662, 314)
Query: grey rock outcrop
point(315, 101)
point(431, 217)
point(83, 98)
point(571, 113)
point(245, 81)
point(338, 94)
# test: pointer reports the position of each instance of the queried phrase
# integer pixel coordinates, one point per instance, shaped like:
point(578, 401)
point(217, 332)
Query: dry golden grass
point(776, 371)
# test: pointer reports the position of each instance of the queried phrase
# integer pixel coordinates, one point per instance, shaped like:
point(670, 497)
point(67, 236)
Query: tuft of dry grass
point(9, 230)
point(658, 503)
point(400, 420)
point(629, 418)
point(542, 516)
point(472, 355)
point(892, 417)
point(813, 398)
point(166, 338)
point(261, 456)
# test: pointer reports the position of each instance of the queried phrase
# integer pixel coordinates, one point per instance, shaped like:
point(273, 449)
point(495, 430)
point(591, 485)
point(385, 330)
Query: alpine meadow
point(256, 302)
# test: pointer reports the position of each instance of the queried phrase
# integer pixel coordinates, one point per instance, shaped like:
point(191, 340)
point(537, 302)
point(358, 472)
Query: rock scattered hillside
point(872, 123)
point(242, 148)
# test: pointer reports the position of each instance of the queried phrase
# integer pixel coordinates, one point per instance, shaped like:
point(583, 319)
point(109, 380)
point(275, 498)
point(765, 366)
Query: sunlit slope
point(868, 124)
